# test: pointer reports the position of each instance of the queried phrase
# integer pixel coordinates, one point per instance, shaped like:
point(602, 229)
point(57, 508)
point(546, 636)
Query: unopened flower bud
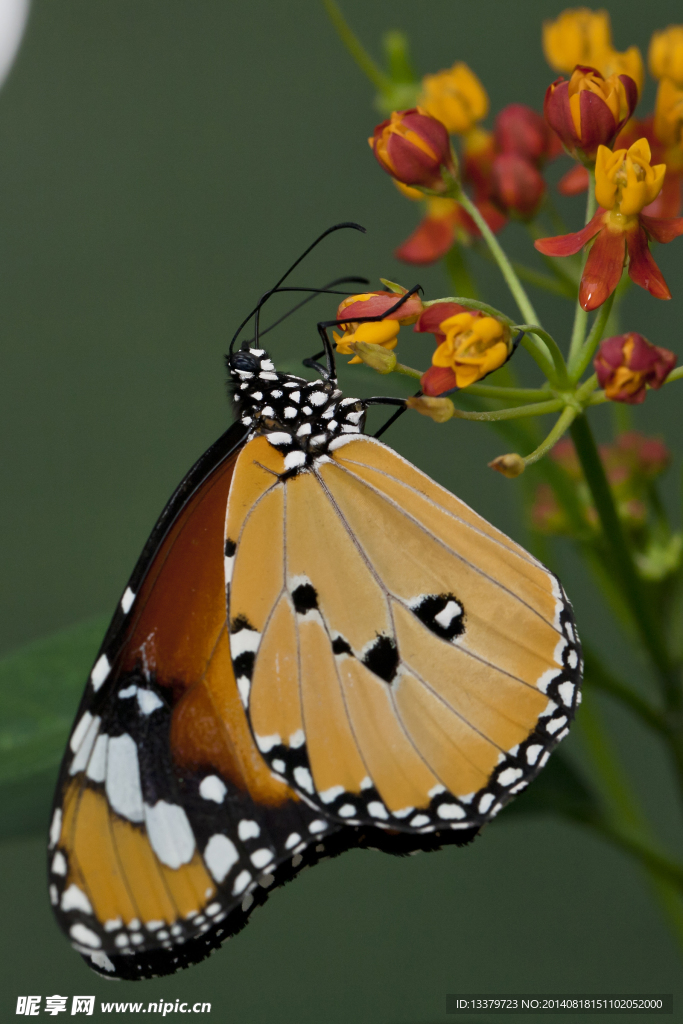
point(516, 185)
point(377, 304)
point(375, 356)
point(381, 333)
point(414, 148)
point(589, 110)
point(520, 130)
point(438, 409)
point(627, 363)
point(510, 465)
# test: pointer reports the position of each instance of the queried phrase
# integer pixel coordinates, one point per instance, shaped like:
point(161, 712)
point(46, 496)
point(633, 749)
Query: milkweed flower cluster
point(477, 175)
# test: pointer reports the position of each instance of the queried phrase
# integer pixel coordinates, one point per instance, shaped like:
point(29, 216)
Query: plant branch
point(586, 353)
point(623, 565)
point(356, 48)
point(537, 409)
point(562, 425)
point(580, 315)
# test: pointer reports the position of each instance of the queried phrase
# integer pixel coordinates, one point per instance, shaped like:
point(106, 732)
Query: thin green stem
point(507, 394)
point(623, 566)
point(562, 425)
point(555, 285)
point(519, 411)
point(468, 303)
point(626, 825)
point(356, 48)
point(586, 353)
point(580, 316)
point(407, 371)
point(553, 348)
point(598, 676)
point(513, 282)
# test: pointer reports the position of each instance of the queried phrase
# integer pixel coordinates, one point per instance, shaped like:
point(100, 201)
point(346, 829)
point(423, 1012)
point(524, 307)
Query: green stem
point(537, 409)
point(586, 353)
point(356, 48)
point(553, 348)
point(506, 394)
point(623, 566)
point(513, 282)
point(598, 676)
point(628, 827)
point(555, 285)
point(562, 425)
point(580, 316)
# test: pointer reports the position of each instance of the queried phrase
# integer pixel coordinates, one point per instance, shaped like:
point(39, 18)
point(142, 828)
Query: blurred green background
point(161, 163)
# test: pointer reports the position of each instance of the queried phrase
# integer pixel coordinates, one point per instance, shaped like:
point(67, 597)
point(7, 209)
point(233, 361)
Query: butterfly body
point(320, 648)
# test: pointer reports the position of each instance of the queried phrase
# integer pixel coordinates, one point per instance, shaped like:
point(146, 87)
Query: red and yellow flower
point(383, 333)
point(470, 346)
point(628, 363)
point(414, 148)
point(625, 183)
point(588, 110)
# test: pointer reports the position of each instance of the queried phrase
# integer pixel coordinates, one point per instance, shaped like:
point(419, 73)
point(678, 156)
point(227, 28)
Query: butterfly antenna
point(325, 290)
point(255, 311)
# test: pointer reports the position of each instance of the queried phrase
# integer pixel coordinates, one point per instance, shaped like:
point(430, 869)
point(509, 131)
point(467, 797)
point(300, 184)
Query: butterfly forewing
point(411, 667)
point(168, 825)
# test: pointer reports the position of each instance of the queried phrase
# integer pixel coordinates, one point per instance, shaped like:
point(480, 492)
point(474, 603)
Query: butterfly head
point(301, 418)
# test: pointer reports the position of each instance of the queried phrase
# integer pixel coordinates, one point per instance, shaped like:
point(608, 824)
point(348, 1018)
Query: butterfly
point(320, 648)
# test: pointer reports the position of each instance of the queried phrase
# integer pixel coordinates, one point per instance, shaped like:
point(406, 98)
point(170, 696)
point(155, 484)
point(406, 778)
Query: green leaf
point(40, 687)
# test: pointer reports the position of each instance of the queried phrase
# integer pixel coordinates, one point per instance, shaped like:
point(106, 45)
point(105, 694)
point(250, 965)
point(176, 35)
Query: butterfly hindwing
point(412, 667)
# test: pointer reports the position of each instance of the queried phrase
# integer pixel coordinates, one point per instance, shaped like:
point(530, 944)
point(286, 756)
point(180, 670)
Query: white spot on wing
point(170, 833)
point(102, 961)
point(447, 614)
point(450, 812)
point(220, 855)
point(317, 397)
point(84, 935)
point(292, 840)
point(127, 600)
point(266, 743)
point(148, 701)
point(260, 858)
point(80, 731)
point(294, 459)
point(97, 765)
point(302, 777)
point(123, 778)
point(56, 826)
point(83, 753)
point(241, 882)
point(244, 640)
point(509, 775)
point(74, 898)
point(244, 686)
point(377, 810)
point(486, 802)
point(328, 795)
point(59, 865)
point(212, 788)
point(297, 739)
point(248, 830)
point(100, 672)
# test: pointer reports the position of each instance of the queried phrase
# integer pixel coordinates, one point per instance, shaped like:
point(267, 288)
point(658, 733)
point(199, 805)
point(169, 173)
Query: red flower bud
point(574, 181)
point(414, 148)
point(520, 130)
point(516, 185)
point(588, 110)
point(627, 363)
point(376, 304)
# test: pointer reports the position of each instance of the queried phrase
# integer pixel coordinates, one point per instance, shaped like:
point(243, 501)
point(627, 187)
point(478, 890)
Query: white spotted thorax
point(302, 419)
